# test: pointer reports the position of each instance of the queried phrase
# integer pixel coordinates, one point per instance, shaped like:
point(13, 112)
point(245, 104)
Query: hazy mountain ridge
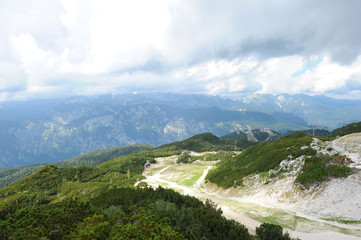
point(56, 131)
point(307, 107)
point(317, 110)
point(51, 130)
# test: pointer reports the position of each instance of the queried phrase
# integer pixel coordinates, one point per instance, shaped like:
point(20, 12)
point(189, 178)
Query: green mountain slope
point(198, 143)
point(348, 129)
point(10, 175)
point(266, 156)
point(51, 183)
point(123, 213)
point(206, 142)
point(254, 135)
point(313, 132)
point(84, 202)
point(100, 202)
point(92, 159)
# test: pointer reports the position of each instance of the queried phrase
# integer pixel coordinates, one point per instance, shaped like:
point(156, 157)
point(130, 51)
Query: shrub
point(184, 158)
point(268, 231)
point(319, 168)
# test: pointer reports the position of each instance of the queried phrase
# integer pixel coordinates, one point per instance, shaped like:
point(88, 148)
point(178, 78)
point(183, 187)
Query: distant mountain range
point(43, 131)
point(318, 111)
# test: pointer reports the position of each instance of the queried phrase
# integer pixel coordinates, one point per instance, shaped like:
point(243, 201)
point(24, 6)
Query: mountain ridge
point(90, 159)
point(59, 131)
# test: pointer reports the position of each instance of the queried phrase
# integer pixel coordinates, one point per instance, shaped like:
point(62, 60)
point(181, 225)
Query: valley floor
point(189, 179)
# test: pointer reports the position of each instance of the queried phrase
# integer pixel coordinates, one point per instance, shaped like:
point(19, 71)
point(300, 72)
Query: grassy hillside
point(92, 159)
point(312, 132)
point(10, 175)
point(123, 213)
point(348, 129)
point(206, 142)
point(198, 143)
point(51, 183)
point(84, 202)
point(266, 156)
point(253, 135)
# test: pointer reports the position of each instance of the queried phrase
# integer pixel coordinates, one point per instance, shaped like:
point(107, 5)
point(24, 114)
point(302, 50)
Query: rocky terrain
point(329, 210)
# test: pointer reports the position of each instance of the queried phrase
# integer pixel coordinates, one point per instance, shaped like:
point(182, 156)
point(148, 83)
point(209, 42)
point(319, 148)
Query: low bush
point(319, 168)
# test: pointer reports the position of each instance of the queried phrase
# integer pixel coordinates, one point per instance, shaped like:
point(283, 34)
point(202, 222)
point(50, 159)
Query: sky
point(55, 48)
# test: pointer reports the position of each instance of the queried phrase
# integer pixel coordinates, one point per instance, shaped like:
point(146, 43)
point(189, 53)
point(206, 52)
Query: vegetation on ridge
point(254, 135)
point(91, 203)
point(83, 202)
point(123, 213)
point(92, 159)
point(348, 129)
point(206, 142)
point(267, 231)
point(260, 158)
point(320, 168)
point(266, 156)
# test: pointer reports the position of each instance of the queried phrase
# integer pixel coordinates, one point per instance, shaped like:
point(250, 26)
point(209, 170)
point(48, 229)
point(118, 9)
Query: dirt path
point(197, 190)
point(170, 175)
point(200, 181)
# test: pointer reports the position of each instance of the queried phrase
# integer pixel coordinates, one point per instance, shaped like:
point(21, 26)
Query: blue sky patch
point(309, 66)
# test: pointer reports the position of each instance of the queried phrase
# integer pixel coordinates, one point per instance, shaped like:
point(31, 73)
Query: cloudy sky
point(52, 48)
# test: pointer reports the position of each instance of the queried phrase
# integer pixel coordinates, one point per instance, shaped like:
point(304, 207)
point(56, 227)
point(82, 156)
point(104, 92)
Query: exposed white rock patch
point(350, 146)
point(323, 147)
point(291, 167)
point(338, 198)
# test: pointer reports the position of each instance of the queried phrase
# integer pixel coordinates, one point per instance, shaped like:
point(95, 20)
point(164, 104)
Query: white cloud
point(276, 75)
point(42, 67)
point(12, 78)
point(126, 34)
point(329, 76)
point(62, 47)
